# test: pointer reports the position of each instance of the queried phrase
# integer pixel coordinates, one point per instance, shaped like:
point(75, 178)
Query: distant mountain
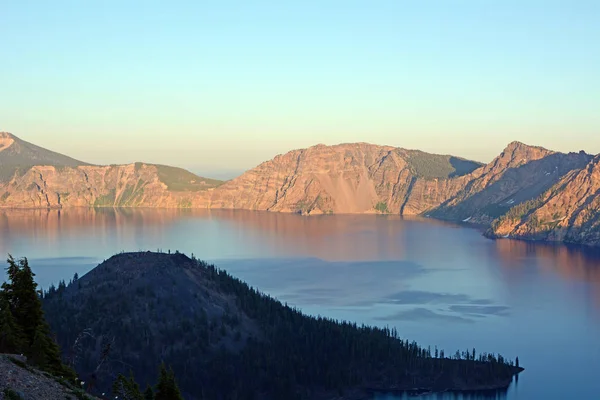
point(226, 340)
point(31, 177)
point(19, 155)
point(346, 178)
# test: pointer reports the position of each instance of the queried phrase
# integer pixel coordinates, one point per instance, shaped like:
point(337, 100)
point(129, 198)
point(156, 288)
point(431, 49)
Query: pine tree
point(167, 388)
point(149, 393)
point(26, 308)
point(127, 388)
point(23, 298)
point(11, 336)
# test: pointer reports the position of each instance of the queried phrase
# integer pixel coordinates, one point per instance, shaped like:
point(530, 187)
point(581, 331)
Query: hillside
point(31, 177)
point(520, 173)
point(226, 340)
point(347, 178)
point(568, 211)
point(19, 380)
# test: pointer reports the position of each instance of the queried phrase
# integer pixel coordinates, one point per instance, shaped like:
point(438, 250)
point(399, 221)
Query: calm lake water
point(439, 284)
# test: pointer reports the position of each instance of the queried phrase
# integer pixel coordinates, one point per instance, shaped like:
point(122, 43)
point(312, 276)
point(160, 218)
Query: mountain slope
point(347, 178)
point(32, 177)
point(569, 211)
point(225, 340)
point(19, 153)
point(520, 173)
point(17, 378)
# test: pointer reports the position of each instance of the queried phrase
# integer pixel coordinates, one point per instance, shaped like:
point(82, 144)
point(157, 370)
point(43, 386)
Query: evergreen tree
point(167, 388)
point(23, 298)
point(11, 340)
point(149, 393)
point(25, 306)
point(127, 388)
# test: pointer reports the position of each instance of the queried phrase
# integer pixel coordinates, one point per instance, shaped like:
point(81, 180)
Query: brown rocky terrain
point(346, 178)
point(58, 181)
point(569, 211)
point(518, 174)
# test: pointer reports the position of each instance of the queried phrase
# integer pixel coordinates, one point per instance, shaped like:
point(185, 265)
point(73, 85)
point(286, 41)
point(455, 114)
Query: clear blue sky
point(213, 85)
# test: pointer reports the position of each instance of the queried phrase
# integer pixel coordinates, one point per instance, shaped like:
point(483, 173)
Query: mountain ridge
point(341, 179)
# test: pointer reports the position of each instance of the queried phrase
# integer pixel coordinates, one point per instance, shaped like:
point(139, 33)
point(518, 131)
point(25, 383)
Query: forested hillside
point(226, 340)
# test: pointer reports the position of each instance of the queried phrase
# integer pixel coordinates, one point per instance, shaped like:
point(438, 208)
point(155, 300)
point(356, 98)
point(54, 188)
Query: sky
point(217, 86)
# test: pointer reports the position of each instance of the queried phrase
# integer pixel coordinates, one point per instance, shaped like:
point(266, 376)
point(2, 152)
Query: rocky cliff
point(346, 178)
point(520, 173)
point(568, 211)
point(31, 177)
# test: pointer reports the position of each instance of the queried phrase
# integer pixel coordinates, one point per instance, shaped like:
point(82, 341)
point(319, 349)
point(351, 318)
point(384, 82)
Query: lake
point(440, 284)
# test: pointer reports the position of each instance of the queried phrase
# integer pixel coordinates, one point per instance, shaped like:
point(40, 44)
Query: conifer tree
point(167, 388)
point(149, 393)
point(22, 296)
point(25, 306)
point(127, 388)
point(11, 336)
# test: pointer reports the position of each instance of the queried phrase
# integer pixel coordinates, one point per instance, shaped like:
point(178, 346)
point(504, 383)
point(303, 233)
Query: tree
point(11, 336)
point(167, 388)
point(149, 393)
point(21, 299)
point(127, 388)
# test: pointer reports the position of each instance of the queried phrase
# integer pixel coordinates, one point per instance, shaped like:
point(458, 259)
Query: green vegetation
point(519, 212)
point(226, 340)
point(180, 180)
point(382, 207)
point(185, 203)
point(306, 206)
point(5, 196)
point(166, 389)
point(107, 200)
point(8, 172)
point(23, 328)
point(435, 166)
point(10, 394)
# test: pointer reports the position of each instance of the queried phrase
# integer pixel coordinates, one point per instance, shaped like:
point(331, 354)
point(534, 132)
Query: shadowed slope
point(225, 340)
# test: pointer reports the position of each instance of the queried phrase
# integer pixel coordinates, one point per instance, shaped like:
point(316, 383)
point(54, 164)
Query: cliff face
point(518, 174)
point(347, 178)
point(569, 211)
point(134, 185)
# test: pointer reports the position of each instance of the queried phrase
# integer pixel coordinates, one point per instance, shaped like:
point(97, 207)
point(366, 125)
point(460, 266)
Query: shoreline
point(482, 228)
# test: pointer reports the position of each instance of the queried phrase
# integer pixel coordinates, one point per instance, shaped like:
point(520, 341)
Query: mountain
point(31, 177)
point(226, 340)
point(568, 211)
point(19, 153)
point(520, 173)
point(345, 178)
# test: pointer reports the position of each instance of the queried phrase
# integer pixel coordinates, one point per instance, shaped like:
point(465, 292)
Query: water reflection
point(481, 395)
point(438, 283)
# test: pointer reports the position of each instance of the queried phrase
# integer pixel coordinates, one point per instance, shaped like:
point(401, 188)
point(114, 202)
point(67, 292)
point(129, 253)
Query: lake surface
point(439, 284)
